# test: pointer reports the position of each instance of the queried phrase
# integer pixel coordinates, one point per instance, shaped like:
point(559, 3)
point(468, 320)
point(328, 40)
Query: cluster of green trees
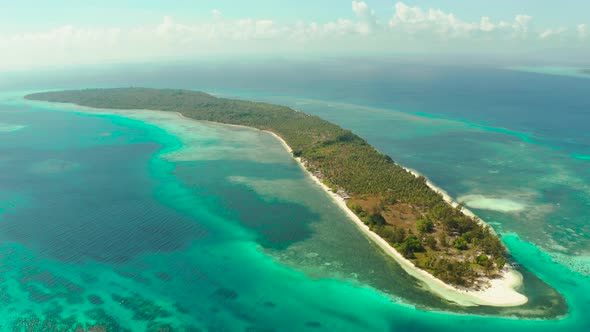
point(344, 159)
point(458, 255)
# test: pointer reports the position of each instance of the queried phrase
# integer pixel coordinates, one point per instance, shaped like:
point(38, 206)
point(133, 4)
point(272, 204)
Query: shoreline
point(500, 293)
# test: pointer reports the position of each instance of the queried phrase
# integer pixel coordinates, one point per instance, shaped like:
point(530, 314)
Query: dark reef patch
point(142, 308)
point(54, 322)
point(95, 299)
point(225, 294)
point(44, 286)
point(5, 299)
point(37, 294)
point(134, 276)
point(163, 276)
point(103, 322)
point(313, 324)
point(180, 308)
point(269, 304)
point(88, 278)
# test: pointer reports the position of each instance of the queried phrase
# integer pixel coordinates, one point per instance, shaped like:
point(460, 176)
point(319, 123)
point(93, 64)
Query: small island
point(584, 71)
point(431, 236)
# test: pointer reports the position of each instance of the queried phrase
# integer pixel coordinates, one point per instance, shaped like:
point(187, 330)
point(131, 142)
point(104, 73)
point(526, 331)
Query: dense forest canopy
point(394, 203)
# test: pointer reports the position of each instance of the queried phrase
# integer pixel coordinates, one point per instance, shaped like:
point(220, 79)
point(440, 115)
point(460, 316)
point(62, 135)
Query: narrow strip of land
point(453, 252)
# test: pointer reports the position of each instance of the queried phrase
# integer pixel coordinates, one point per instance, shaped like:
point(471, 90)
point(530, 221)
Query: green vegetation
point(395, 204)
point(424, 226)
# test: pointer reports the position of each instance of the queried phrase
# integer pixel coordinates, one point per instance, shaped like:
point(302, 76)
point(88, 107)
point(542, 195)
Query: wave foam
point(9, 128)
point(491, 203)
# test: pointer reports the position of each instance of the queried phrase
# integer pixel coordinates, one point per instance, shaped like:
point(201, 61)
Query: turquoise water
point(176, 224)
point(118, 222)
point(115, 221)
point(551, 70)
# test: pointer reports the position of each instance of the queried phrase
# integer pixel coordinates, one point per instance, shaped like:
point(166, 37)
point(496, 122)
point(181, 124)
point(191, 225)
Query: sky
point(35, 33)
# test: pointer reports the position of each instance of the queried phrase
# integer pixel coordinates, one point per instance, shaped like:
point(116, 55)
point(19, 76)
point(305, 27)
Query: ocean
point(150, 222)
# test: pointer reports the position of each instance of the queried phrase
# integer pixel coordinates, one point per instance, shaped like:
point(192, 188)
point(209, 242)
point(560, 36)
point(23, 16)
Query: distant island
point(584, 71)
point(398, 205)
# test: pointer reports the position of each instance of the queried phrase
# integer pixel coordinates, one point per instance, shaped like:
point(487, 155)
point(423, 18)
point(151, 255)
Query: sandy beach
point(500, 293)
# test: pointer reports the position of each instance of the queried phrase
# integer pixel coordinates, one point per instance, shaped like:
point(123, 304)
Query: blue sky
point(72, 31)
point(25, 14)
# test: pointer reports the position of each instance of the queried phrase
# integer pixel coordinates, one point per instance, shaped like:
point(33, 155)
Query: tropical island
point(429, 235)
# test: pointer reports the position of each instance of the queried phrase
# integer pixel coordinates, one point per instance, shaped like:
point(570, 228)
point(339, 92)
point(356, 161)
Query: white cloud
point(521, 25)
point(366, 16)
point(410, 29)
point(443, 25)
point(582, 31)
point(486, 25)
point(414, 20)
point(549, 33)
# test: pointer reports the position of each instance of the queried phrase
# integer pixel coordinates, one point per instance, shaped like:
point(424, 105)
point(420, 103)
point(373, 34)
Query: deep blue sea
point(144, 221)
